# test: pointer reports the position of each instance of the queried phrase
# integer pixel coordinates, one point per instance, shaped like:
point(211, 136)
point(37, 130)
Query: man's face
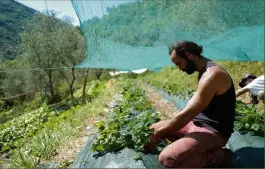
point(184, 64)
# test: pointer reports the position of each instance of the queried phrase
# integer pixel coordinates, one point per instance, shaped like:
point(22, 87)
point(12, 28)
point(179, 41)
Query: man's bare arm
point(241, 91)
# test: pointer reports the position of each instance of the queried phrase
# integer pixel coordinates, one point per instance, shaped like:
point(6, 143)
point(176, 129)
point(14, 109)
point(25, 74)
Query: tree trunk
point(22, 98)
point(72, 83)
point(98, 73)
point(50, 84)
point(84, 87)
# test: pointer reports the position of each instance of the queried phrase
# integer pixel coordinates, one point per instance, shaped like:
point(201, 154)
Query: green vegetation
point(150, 23)
point(49, 43)
point(12, 20)
point(248, 118)
point(173, 89)
point(237, 70)
point(45, 50)
point(129, 123)
point(23, 127)
point(57, 130)
point(14, 133)
point(49, 50)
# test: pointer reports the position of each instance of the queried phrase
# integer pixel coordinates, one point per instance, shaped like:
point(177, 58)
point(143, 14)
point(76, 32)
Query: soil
point(168, 109)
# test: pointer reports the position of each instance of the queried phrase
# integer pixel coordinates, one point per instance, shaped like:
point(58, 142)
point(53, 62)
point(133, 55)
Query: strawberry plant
point(129, 124)
point(248, 118)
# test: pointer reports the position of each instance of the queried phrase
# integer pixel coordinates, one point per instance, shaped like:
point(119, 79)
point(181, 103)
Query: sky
point(65, 8)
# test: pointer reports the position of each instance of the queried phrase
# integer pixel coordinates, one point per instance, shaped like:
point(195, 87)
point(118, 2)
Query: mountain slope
point(12, 18)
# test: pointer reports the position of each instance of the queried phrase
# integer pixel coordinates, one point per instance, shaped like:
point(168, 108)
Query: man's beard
point(190, 67)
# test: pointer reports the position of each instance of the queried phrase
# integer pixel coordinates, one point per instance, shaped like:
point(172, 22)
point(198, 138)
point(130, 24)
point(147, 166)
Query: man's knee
point(168, 161)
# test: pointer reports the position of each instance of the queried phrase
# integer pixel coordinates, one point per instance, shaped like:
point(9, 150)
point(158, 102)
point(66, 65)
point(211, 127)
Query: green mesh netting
point(131, 34)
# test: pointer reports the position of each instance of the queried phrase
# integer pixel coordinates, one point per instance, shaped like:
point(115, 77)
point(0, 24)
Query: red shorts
point(193, 147)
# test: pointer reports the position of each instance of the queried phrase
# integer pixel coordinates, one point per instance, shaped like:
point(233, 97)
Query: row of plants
point(171, 89)
point(25, 126)
point(129, 123)
point(248, 117)
point(15, 132)
point(57, 130)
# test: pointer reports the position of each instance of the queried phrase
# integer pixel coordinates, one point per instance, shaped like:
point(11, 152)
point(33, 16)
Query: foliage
point(43, 145)
point(18, 109)
point(15, 132)
point(46, 43)
point(58, 130)
point(93, 89)
point(171, 75)
point(248, 118)
point(129, 124)
point(12, 20)
point(72, 51)
point(23, 127)
point(41, 50)
point(172, 89)
point(15, 83)
point(148, 23)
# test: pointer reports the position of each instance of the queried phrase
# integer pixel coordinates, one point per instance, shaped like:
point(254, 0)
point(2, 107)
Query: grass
point(237, 70)
point(57, 131)
point(20, 109)
point(15, 132)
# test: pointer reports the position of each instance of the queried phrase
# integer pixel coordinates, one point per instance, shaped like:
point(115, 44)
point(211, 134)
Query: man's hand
point(151, 146)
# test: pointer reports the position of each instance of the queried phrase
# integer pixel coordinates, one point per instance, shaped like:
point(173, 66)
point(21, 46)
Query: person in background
point(201, 130)
point(253, 85)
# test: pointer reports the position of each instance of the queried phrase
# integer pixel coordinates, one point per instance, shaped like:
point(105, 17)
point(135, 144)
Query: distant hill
point(12, 18)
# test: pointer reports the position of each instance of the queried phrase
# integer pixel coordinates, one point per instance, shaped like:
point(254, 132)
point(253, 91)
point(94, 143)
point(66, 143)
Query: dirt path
point(70, 149)
point(165, 107)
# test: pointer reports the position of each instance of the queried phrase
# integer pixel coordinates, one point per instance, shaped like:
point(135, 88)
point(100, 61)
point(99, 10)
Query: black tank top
point(219, 115)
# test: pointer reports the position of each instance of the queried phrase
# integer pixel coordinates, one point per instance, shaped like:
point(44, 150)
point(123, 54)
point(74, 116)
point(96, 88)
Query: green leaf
point(99, 147)
point(112, 125)
point(100, 125)
point(255, 127)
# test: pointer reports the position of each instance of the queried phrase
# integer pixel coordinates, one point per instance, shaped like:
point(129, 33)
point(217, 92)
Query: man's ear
point(189, 55)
